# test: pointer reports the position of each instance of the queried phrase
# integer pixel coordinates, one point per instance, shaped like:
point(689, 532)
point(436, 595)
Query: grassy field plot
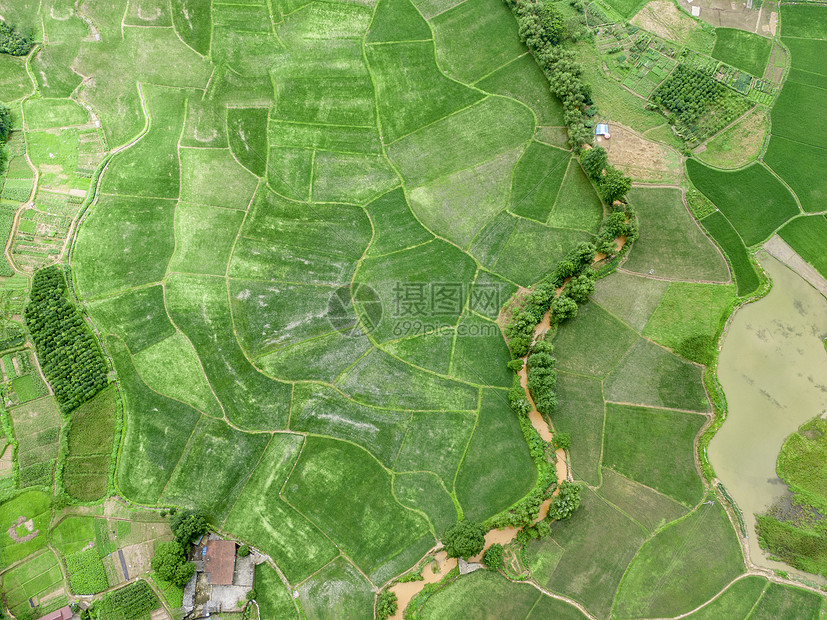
point(497, 469)
point(744, 50)
point(424, 491)
point(736, 602)
point(754, 201)
point(593, 343)
point(201, 167)
point(397, 20)
point(86, 472)
point(718, 226)
point(782, 602)
point(34, 587)
point(484, 594)
point(577, 205)
point(598, 530)
point(800, 165)
point(635, 444)
point(50, 113)
point(682, 566)
point(480, 353)
point(435, 442)
point(37, 429)
point(652, 376)
point(27, 515)
point(792, 117)
point(369, 524)
point(463, 35)
point(137, 316)
point(297, 545)
point(739, 145)
point(395, 227)
point(580, 414)
point(641, 503)
point(806, 236)
point(351, 599)
point(803, 20)
point(273, 599)
point(670, 242)
point(632, 298)
point(690, 318)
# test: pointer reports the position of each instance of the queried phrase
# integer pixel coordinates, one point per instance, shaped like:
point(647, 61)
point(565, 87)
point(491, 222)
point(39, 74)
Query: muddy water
point(773, 368)
point(406, 591)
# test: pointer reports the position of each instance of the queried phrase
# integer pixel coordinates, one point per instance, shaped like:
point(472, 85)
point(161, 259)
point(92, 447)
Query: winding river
point(773, 368)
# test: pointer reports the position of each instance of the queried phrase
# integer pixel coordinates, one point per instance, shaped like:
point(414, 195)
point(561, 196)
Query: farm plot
point(736, 601)
point(484, 594)
point(719, 227)
point(24, 521)
point(35, 587)
point(671, 245)
point(273, 599)
point(86, 472)
point(352, 599)
point(806, 236)
point(744, 50)
point(37, 429)
point(752, 199)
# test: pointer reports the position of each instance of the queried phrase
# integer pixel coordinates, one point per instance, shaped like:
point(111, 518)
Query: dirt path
point(787, 255)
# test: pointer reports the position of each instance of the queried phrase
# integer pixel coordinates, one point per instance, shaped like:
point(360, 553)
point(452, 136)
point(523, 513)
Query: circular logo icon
point(354, 310)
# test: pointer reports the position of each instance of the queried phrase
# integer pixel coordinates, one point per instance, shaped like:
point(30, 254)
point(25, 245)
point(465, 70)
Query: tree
point(593, 161)
point(386, 605)
point(243, 551)
point(580, 288)
point(188, 526)
point(554, 24)
point(464, 539)
point(563, 308)
point(5, 122)
point(565, 502)
point(170, 562)
point(614, 185)
point(561, 441)
point(493, 557)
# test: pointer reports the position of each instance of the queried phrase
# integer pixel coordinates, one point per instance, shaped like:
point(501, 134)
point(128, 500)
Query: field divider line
point(556, 596)
point(247, 480)
point(790, 189)
point(184, 452)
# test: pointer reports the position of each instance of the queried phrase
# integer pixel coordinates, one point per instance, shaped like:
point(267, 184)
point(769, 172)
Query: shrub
point(251, 595)
point(565, 502)
point(243, 551)
point(386, 605)
point(593, 161)
point(493, 557)
point(561, 441)
point(614, 185)
point(464, 539)
point(581, 287)
point(188, 526)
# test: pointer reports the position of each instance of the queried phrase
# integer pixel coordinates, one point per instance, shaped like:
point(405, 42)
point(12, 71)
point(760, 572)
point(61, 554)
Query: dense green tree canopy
point(464, 539)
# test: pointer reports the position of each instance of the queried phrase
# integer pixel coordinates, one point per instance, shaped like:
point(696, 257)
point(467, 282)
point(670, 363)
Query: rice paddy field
point(292, 228)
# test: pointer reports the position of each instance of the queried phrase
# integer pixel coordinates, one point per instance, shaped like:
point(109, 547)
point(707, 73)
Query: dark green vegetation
point(719, 227)
point(806, 235)
point(87, 468)
point(464, 539)
point(86, 572)
point(72, 360)
point(793, 529)
point(742, 49)
point(128, 603)
point(13, 42)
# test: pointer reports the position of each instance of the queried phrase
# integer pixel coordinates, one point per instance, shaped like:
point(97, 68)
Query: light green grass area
point(32, 505)
point(537, 180)
point(736, 602)
point(483, 594)
point(273, 599)
point(649, 508)
point(654, 377)
point(733, 247)
point(403, 110)
point(395, 227)
point(690, 318)
point(740, 144)
point(204, 237)
point(654, 447)
point(631, 298)
point(430, 350)
point(480, 353)
point(744, 50)
point(326, 412)
point(452, 207)
point(548, 607)
point(781, 602)
point(138, 317)
point(200, 308)
point(201, 168)
point(470, 136)
point(152, 444)
point(435, 442)
point(583, 538)
point(806, 236)
point(580, 414)
point(14, 80)
point(37, 430)
point(368, 523)
point(297, 545)
point(626, 8)
point(497, 469)
point(577, 205)
point(424, 491)
point(788, 157)
point(72, 534)
point(351, 599)
point(214, 441)
point(523, 80)
point(37, 579)
point(351, 178)
point(670, 242)
point(682, 566)
point(397, 20)
point(464, 34)
point(593, 343)
point(323, 358)
point(119, 225)
point(86, 472)
point(49, 113)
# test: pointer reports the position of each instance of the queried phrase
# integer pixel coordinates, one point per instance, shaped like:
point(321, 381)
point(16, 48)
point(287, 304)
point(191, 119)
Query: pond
point(773, 368)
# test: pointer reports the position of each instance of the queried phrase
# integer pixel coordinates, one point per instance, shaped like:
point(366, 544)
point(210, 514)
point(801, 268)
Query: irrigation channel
point(773, 368)
point(407, 590)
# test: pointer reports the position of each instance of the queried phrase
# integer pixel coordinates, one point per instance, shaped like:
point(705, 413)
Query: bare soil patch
point(28, 526)
point(642, 159)
point(665, 20)
point(727, 14)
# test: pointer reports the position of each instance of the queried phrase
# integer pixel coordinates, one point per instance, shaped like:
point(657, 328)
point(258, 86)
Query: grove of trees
point(13, 42)
point(464, 539)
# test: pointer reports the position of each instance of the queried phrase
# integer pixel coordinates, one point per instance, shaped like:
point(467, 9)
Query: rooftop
point(219, 562)
point(64, 613)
